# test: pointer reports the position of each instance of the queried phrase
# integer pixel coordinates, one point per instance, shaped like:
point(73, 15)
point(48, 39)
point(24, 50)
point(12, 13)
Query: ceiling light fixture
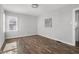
point(35, 5)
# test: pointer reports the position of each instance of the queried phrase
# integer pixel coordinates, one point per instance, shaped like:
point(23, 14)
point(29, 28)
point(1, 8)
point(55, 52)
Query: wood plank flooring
point(41, 45)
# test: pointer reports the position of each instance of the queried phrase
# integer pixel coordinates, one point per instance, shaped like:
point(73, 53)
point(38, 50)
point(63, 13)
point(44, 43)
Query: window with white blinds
point(12, 23)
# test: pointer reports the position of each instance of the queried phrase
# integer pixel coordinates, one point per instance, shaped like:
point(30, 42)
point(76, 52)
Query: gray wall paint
point(27, 25)
point(61, 25)
point(1, 27)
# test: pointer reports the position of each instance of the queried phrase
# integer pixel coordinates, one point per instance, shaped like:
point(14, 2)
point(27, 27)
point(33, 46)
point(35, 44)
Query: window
point(48, 22)
point(12, 23)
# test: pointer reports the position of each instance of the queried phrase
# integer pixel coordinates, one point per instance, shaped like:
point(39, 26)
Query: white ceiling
point(27, 8)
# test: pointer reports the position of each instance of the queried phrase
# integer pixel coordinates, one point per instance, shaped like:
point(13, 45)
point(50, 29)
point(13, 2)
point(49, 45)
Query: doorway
point(76, 29)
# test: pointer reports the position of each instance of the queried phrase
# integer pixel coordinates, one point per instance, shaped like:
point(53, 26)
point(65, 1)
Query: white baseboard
point(54, 38)
point(19, 36)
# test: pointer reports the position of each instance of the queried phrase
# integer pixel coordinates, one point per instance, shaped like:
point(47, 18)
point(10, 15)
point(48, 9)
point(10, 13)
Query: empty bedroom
point(39, 28)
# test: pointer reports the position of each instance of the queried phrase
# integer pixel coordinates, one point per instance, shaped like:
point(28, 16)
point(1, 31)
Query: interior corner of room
point(54, 21)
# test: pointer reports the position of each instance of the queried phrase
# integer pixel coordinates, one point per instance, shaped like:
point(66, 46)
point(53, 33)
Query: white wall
point(62, 29)
point(27, 25)
point(1, 27)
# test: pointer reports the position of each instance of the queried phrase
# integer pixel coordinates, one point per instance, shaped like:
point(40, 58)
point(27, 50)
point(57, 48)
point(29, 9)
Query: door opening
point(77, 28)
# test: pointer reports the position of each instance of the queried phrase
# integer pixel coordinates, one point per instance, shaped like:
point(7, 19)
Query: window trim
point(8, 19)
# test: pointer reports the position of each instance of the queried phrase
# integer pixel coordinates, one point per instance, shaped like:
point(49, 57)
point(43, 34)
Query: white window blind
point(12, 23)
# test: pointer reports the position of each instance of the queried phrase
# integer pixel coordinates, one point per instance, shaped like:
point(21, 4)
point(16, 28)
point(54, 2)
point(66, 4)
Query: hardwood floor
point(41, 45)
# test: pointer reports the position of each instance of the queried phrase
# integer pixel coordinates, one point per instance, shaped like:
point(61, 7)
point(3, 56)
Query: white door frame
point(73, 25)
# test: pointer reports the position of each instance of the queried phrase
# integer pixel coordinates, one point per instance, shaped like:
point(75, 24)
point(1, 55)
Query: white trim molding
point(73, 25)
